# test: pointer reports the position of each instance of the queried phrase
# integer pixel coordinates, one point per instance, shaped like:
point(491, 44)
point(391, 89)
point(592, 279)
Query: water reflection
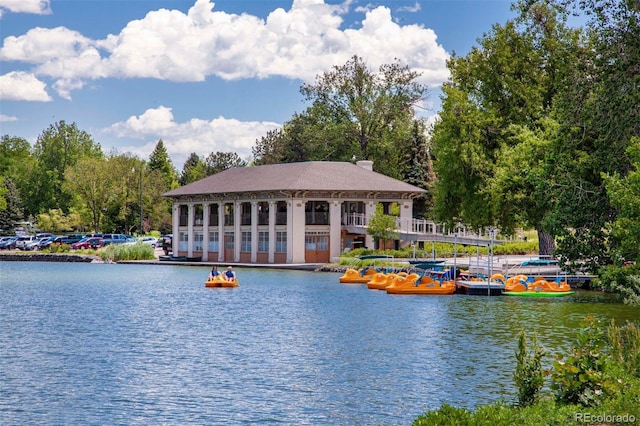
point(149, 344)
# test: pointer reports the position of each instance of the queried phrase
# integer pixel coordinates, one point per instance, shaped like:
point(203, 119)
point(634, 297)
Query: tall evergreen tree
point(193, 169)
point(220, 161)
point(159, 160)
point(12, 213)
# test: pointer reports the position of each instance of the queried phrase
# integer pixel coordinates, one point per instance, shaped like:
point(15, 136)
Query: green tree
point(54, 221)
point(16, 163)
point(355, 113)
point(381, 226)
point(159, 160)
point(57, 148)
point(598, 107)
point(509, 80)
point(217, 162)
point(193, 169)
point(12, 212)
point(91, 181)
point(364, 106)
point(416, 167)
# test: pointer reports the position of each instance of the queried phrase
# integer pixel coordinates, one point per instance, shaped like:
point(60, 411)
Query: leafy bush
point(528, 374)
point(582, 378)
point(59, 248)
point(624, 280)
point(119, 252)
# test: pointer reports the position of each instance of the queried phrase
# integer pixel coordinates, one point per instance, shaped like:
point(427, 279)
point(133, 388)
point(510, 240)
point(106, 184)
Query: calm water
point(135, 344)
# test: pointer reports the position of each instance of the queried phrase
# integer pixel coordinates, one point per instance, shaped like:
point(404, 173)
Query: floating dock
point(479, 288)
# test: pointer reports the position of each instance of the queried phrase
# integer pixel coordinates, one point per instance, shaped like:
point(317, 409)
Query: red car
point(87, 242)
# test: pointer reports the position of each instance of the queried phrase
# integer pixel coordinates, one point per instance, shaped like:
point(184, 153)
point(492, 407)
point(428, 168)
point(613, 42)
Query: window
point(323, 243)
point(281, 213)
point(213, 215)
point(184, 215)
point(245, 244)
point(281, 242)
point(198, 215)
point(228, 214)
point(316, 213)
point(245, 214)
point(310, 243)
point(214, 241)
point(197, 241)
point(229, 240)
point(263, 213)
point(263, 242)
point(183, 242)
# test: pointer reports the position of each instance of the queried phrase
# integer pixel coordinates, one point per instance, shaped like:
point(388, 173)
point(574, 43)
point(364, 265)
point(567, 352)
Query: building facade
point(282, 213)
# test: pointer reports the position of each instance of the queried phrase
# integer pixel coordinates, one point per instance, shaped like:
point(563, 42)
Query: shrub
point(624, 280)
point(582, 378)
point(59, 248)
point(528, 374)
point(119, 252)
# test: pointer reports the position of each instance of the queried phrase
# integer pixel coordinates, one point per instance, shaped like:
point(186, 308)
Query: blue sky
point(208, 76)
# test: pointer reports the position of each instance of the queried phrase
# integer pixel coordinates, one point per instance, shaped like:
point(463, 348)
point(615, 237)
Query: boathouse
point(283, 213)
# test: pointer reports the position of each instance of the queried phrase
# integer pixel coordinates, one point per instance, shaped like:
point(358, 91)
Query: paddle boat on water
point(361, 276)
point(431, 282)
point(221, 281)
point(522, 285)
point(381, 281)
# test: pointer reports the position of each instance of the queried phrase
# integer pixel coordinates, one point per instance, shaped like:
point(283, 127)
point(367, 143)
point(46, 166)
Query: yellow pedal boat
point(523, 283)
point(354, 276)
point(416, 284)
point(221, 281)
point(381, 281)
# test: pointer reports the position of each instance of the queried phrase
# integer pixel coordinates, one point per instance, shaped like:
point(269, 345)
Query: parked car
point(73, 238)
point(24, 239)
point(87, 242)
point(32, 245)
point(150, 241)
point(46, 242)
point(8, 243)
point(114, 239)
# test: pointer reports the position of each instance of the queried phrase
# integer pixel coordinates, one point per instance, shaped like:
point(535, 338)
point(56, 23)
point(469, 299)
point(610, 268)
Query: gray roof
point(308, 176)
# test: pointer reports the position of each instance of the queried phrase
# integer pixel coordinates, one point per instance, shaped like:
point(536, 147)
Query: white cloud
point(22, 86)
point(6, 118)
point(298, 43)
point(196, 135)
point(40, 7)
point(415, 8)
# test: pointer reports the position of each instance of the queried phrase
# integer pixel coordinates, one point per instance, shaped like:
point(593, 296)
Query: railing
point(419, 227)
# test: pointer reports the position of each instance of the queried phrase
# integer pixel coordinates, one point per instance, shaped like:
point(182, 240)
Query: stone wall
point(46, 257)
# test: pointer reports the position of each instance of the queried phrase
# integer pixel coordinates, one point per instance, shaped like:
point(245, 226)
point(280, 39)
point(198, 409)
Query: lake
point(149, 344)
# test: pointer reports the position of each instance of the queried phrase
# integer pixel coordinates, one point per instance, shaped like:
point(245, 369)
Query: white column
point(205, 231)
point(237, 239)
point(190, 219)
point(254, 231)
point(273, 205)
point(296, 231)
point(369, 209)
point(221, 231)
point(406, 215)
point(175, 228)
point(335, 222)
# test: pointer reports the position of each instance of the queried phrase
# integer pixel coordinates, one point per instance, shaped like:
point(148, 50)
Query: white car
point(23, 240)
point(150, 241)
